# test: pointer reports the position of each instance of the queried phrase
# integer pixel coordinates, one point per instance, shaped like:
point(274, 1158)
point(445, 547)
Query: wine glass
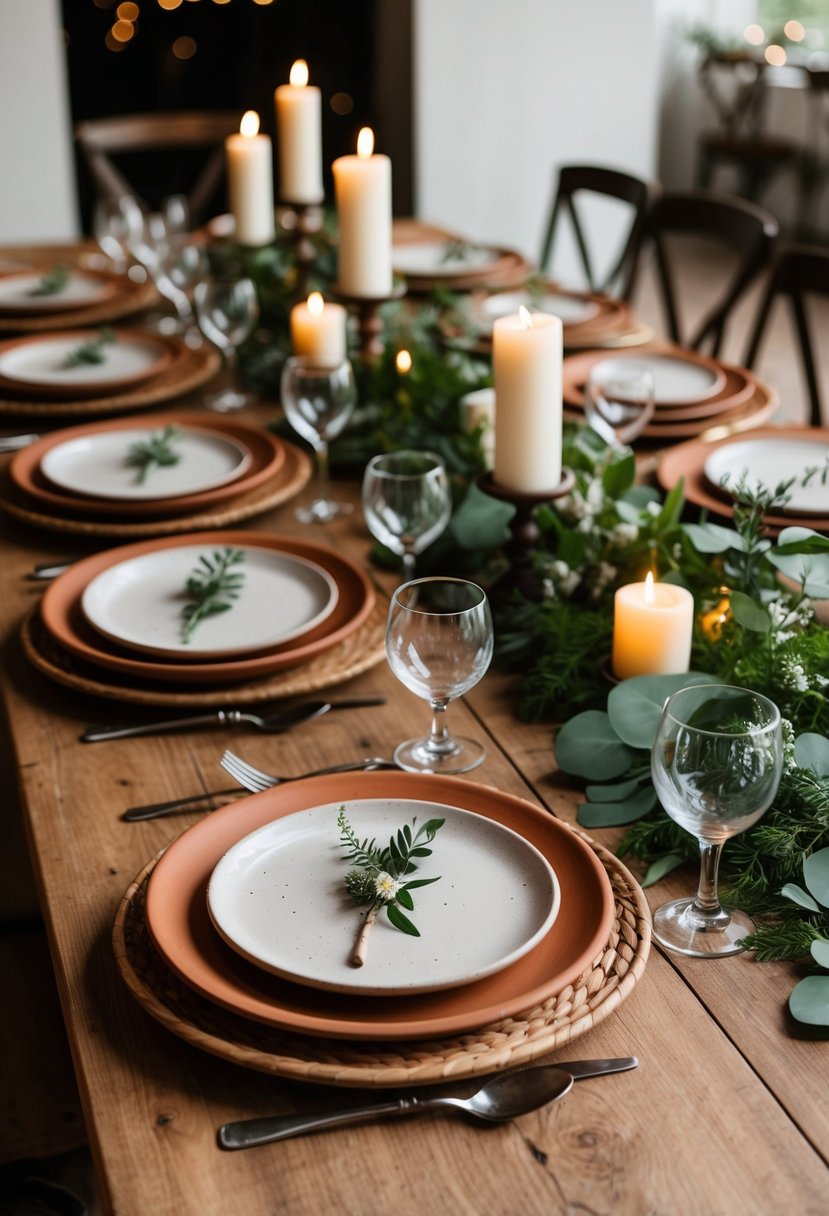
point(227, 311)
point(184, 264)
point(117, 222)
point(406, 502)
point(619, 400)
point(439, 642)
point(716, 766)
point(318, 400)
point(175, 210)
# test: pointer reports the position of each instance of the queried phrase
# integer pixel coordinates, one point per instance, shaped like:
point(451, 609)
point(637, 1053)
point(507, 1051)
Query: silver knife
point(275, 723)
point(13, 443)
point(246, 1133)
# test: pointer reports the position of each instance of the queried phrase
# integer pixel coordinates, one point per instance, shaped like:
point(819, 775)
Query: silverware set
point(505, 1097)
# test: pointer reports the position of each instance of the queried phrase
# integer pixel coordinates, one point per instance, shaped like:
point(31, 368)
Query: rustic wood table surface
point(726, 1113)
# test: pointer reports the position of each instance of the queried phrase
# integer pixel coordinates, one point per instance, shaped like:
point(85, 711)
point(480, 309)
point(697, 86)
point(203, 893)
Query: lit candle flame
point(525, 317)
point(649, 596)
point(249, 126)
point(299, 74)
point(365, 142)
point(403, 362)
point(315, 304)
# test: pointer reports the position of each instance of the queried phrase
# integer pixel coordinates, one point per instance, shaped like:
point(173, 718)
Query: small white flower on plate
point(386, 886)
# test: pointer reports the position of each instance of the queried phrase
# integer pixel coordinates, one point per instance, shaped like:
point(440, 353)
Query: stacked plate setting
point(120, 612)
point(85, 297)
point(588, 318)
point(249, 908)
point(456, 265)
point(82, 479)
point(693, 393)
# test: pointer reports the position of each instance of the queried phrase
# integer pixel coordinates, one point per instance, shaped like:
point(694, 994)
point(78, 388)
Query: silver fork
point(255, 780)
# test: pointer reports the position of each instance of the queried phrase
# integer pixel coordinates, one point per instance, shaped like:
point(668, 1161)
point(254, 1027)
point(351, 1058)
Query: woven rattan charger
point(599, 990)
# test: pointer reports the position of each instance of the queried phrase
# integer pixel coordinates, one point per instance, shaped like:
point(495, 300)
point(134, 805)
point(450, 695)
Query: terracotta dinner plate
point(268, 457)
point(734, 385)
point(179, 921)
point(63, 617)
point(84, 289)
point(34, 365)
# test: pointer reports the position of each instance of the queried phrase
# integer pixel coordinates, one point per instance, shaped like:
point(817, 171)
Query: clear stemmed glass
point(117, 223)
point(407, 502)
point(318, 400)
point(619, 400)
point(716, 766)
point(185, 265)
point(227, 311)
point(439, 641)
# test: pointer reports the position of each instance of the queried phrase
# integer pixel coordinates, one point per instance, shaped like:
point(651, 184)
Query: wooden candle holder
point(370, 324)
point(524, 536)
point(307, 223)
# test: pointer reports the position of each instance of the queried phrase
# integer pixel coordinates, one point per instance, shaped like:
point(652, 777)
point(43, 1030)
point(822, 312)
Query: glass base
point(322, 510)
point(675, 926)
point(415, 756)
point(229, 401)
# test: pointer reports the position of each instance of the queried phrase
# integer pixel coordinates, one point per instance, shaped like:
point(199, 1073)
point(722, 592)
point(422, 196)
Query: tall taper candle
point(526, 358)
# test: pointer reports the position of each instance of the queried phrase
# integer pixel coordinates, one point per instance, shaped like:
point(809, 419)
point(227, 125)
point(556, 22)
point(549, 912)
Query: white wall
point(507, 91)
point(37, 194)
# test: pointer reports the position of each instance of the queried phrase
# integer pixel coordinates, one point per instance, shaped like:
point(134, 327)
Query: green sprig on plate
point(93, 351)
point(53, 282)
point(155, 452)
point(379, 877)
point(212, 588)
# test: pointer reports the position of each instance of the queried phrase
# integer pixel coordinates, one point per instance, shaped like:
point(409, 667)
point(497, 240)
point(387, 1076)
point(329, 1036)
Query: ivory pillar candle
point(318, 330)
point(299, 134)
point(250, 182)
point(652, 628)
point(526, 361)
point(362, 185)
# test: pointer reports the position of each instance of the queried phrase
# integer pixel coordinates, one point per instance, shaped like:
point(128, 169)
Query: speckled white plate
point(79, 290)
point(767, 461)
point(278, 898)
point(570, 309)
point(444, 258)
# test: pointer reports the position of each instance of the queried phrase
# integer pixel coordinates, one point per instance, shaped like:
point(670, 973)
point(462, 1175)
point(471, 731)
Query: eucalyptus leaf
point(802, 540)
point(712, 538)
point(619, 475)
point(816, 875)
point(811, 751)
point(634, 707)
point(613, 814)
point(661, 867)
point(672, 507)
point(820, 952)
point(798, 896)
point(748, 613)
point(627, 512)
point(809, 1001)
point(612, 793)
point(639, 497)
point(481, 522)
point(588, 746)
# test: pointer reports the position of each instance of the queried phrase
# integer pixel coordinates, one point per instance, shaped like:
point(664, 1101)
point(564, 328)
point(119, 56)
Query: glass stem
point(707, 912)
point(440, 742)
point(323, 478)
point(231, 361)
point(408, 565)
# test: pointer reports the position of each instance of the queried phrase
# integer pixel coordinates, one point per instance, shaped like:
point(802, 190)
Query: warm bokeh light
point(249, 126)
point(794, 31)
point(365, 142)
point(342, 103)
point(649, 589)
point(184, 47)
point(299, 74)
point(221, 1)
point(122, 31)
point(111, 44)
point(775, 55)
point(403, 362)
point(525, 317)
point(128, 11)
point(755, 34)
point(263, 2)
point(315, 304)
point(169, 4)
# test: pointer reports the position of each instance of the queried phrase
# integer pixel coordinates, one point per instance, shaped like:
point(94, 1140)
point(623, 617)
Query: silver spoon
point(504, 1098)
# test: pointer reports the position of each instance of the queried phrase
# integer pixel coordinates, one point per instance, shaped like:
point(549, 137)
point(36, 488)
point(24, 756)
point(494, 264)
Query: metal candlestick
point(370, 324)
point(307, 223)
point(525, 535)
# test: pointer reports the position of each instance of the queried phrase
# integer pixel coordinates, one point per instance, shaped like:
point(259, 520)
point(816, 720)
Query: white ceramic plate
point(442, 258)
point(138, 603)
point(41, 363)
point(278, 898)
point(96, 465)
point(769, 461)
point(570, 309)
point(80, 289)
point(677, 381)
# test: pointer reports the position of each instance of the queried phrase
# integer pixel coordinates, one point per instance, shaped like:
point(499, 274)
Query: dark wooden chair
point(725, 221)
point(612, 183)
point(799, 271)
point(102, 139)
point(735, 84)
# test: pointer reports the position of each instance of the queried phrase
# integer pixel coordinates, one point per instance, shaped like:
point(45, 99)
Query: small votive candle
point(318, 330)
point(652, 628)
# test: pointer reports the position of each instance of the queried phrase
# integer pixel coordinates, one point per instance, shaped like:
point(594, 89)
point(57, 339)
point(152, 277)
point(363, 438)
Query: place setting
point(151, 475)
point(688, 394)
point(192, 620)
point(97, 372)
point(65, 296)
point(715, 472)
point(456, 265)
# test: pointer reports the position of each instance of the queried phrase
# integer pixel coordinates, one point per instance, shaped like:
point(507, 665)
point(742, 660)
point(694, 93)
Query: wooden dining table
point(725, 1114)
